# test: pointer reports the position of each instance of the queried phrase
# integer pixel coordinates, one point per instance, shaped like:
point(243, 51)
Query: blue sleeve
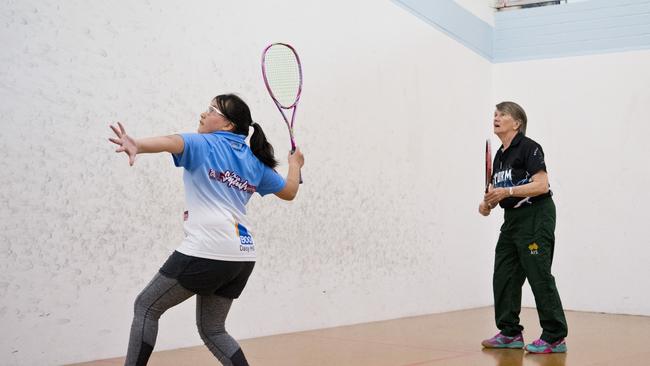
point(194, 151)
point(271, 182)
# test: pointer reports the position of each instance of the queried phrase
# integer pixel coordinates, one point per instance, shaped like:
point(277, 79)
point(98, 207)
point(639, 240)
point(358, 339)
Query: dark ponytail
point(237, 112)
point(261, 147)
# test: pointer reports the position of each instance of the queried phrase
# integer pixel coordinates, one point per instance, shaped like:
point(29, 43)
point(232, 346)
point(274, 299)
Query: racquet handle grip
point(293, 150)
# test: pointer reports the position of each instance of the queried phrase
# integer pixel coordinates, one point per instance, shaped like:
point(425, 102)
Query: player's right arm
point(131, 147)
point(172, 144)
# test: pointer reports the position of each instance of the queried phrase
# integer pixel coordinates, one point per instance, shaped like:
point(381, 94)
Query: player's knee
point(140, 306)
point(144, 308)
point(204, 336)
point(209, 331)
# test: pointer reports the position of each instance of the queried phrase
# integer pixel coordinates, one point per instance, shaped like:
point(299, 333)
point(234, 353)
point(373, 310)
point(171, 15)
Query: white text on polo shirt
point(503, 176)
point(232, 180)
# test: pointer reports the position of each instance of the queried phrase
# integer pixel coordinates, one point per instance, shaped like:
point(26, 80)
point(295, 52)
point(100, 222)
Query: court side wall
point(590, 114)
point(385, 225)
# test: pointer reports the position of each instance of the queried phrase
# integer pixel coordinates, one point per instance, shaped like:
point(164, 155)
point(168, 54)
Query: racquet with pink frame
point(488, 164)
point(282, 73)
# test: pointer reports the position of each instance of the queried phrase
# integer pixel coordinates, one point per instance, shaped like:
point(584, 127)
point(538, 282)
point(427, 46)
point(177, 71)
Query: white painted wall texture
point(385, 225)
point(590, 114)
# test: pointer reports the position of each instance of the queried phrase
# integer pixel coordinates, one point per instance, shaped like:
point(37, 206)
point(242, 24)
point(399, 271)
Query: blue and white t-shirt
point(221, 174)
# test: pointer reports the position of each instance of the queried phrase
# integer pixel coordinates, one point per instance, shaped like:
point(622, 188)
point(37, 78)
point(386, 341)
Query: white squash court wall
point(592, 116)
point(385, 225)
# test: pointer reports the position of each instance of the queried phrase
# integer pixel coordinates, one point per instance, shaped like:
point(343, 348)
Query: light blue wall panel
point(632, 21)
point(590, 27)
point(454, 20)
point(580, 28)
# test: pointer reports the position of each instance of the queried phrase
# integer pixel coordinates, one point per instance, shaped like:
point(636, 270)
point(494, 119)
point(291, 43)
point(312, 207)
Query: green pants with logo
point(525, 250)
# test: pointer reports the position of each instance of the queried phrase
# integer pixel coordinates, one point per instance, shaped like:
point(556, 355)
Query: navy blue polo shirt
point(515, 166)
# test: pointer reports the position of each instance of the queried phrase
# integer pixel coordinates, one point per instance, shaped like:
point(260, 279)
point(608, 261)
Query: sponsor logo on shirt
point(245, 239)
point(232, 180)
point(502, 177)
point(533, 248)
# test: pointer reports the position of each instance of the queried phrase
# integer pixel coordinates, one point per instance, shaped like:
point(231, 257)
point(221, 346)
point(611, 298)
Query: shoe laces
point(540, 342)
point(505, 337)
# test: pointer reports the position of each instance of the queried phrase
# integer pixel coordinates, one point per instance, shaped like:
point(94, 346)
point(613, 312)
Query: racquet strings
point(282, 74)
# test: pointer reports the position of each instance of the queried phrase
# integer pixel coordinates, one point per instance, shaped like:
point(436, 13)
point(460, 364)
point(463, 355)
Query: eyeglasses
point(213, 109)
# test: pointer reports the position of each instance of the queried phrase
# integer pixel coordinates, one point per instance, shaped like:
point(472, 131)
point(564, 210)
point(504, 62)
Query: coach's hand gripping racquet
point(488, 164)
point(282, 75)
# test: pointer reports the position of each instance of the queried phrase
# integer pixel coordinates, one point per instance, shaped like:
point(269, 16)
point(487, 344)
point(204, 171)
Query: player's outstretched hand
point(125, 142)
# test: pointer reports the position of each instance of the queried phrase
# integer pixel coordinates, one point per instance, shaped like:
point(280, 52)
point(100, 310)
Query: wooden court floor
point(433, 340)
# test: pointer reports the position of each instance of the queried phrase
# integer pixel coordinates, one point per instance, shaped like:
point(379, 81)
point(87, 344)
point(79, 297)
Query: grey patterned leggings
point(163, 293)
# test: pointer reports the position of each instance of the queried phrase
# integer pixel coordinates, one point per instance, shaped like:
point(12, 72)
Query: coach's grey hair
point(517, 113)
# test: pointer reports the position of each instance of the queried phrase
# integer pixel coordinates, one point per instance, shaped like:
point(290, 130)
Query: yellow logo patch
point(533, 248)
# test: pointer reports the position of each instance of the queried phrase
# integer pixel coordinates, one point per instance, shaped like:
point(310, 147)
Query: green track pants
point(525, 250)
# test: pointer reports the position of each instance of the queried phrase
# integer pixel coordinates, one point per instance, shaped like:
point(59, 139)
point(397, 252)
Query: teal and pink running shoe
point(541, 346)
point(502, 341)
